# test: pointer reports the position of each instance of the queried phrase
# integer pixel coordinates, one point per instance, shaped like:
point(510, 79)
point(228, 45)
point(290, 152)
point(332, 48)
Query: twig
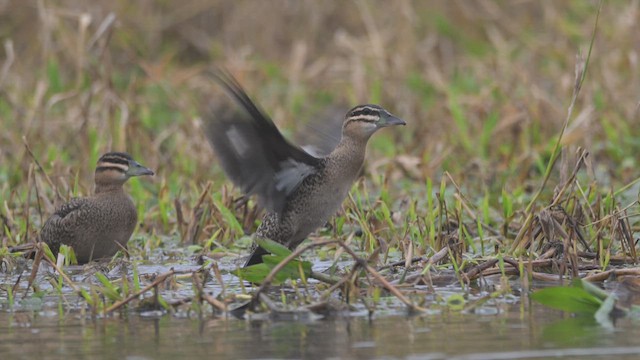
point(615, 272)
point(331, 280)
point(34, 268)
point(160, 278)
point(477, 270)
point(392, 289)
point(437, 257)
point(276, 269)
point(196, 215)
point(206, 297)
point(57, 268)
point(402, 262)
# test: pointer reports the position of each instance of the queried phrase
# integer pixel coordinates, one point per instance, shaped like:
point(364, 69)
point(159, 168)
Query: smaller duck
point(96, 227)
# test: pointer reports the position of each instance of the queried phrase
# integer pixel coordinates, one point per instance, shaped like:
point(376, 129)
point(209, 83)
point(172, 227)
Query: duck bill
point(391, 121)
point(139, 170)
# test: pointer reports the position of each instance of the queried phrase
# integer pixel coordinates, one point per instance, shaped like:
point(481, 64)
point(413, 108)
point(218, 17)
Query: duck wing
point(252, 151)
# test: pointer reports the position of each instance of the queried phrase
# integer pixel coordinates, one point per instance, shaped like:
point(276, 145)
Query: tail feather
point(256, 256)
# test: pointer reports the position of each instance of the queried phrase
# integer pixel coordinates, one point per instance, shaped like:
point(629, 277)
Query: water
point(507, 327)
point(511, 332)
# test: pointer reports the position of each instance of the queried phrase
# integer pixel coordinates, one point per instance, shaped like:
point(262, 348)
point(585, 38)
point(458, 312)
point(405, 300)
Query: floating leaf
point(254, 273)
point(571, 299)
point(293, 270)
point(456, 302)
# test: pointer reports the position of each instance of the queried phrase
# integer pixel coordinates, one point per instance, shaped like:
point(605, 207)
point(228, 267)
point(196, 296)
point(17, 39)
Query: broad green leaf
point(570, 299)
point(293, 266)
point(273, 247)
point(256, 273)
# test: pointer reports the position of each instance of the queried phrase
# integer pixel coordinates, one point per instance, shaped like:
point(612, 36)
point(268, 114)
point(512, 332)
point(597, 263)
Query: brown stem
point(158, 280)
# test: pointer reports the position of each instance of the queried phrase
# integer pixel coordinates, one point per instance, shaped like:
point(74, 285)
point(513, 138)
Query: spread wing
point(323, 130)
point(251, 150)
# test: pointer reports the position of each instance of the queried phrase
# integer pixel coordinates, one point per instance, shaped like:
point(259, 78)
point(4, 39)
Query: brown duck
point(300, 191)
point(96, 227)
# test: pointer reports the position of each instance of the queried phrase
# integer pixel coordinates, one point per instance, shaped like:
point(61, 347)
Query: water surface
point(509, 332)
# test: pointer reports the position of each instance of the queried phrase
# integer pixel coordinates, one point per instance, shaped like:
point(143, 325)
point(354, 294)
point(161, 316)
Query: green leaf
point(136, 278)
point(570, 299)
point(47, 252)
point(456, 302)
point(86, 297)
point(293, 270)
point(109, 290)
point(53, 74)
point(289, 271)
point(164, 303)
point(254, 273)
point(590, 288)
point(69, 255)
point(507, 205)
point(273, 247)
point(228, 217)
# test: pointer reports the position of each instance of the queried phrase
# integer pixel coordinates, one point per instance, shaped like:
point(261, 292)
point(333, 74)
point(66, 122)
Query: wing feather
point(251, 149)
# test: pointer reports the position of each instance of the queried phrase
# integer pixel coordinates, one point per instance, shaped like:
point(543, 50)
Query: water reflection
point(507, 334)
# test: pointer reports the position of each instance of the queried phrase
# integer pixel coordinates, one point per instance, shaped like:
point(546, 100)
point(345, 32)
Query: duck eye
point(366, 111)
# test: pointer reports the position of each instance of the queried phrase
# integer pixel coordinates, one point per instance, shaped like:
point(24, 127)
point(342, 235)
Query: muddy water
point(511, 332)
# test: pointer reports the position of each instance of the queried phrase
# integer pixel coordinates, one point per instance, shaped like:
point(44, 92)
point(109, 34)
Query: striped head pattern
point(114, 168)
point(364, 120)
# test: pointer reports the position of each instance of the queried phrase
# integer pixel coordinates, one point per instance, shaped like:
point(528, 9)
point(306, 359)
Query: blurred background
point(483, 85)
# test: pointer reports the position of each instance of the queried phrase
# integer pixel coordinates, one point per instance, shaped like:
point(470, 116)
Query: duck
point(300, 191)
point(97, 226)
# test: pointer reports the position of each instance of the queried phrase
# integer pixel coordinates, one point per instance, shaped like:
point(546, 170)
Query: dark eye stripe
point(365, 110)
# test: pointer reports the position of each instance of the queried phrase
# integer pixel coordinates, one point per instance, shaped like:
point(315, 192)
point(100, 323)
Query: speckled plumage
point(97, 227)
point(299, 191)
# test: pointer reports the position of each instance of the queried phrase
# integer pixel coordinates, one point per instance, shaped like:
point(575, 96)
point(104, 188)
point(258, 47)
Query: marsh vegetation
point(517, 169)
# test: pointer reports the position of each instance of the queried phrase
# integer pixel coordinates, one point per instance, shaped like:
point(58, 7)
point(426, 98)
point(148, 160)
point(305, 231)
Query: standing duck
point(299, 191)
point(96, 227)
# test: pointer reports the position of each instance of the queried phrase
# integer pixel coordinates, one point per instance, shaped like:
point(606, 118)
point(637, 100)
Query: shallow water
point(508, 327)
point(510, 332)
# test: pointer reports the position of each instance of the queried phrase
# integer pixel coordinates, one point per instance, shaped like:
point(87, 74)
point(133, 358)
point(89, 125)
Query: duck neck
point(349, 155)
point(102, 188)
